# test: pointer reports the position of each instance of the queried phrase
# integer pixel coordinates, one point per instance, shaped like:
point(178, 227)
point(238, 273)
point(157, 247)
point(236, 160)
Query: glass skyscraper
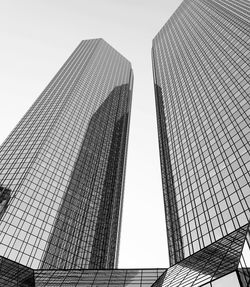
point(200, 65)
point(62, 168)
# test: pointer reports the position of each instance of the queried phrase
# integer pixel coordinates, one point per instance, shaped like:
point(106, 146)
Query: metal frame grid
point(212, 262)
point(13, 274)
point(64, 164)
point(202, 87)
point(244, 264)
point(90, 278)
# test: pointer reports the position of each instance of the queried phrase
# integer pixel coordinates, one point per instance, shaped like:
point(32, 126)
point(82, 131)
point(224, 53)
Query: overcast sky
point(37, 36)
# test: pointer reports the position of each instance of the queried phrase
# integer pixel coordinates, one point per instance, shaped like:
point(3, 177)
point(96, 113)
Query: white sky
point(37, 36)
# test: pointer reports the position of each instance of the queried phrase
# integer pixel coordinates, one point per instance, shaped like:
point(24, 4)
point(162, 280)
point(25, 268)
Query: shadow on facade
point(175, 243)
point(4, 200)
point(85, 230)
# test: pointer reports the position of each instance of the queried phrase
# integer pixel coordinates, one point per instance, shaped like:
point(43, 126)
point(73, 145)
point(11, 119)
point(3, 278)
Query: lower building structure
point(224, 263)
point(14, 274)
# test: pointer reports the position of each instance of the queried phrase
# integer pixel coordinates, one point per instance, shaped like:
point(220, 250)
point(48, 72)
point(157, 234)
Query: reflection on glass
point(114, 277)
point(201, 91)
point(244, 264)
point(212, 262)
point(88, 218)
point(14, 274)
point(72, 140)
point(4, 200)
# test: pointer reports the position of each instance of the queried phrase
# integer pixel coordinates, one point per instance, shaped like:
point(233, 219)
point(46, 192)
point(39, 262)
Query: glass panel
point(230, 280)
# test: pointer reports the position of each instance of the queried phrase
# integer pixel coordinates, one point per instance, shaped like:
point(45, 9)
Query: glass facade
point(104, 278)
point(229, 280)
point(212, 265)
point(62, 168)
point(202, 99)
point(244, 263)
point(13, 274)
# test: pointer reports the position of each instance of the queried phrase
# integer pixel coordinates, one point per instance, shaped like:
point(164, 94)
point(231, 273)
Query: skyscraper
point(202, 99)
point(62, 168)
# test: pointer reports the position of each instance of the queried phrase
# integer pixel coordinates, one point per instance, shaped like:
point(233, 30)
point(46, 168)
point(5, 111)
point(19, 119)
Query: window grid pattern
point(202, 85)
point(91, 278)
point(40, 157)
point(13, 274)
point(244, 264)
point(80, 227)
point(212, 262)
